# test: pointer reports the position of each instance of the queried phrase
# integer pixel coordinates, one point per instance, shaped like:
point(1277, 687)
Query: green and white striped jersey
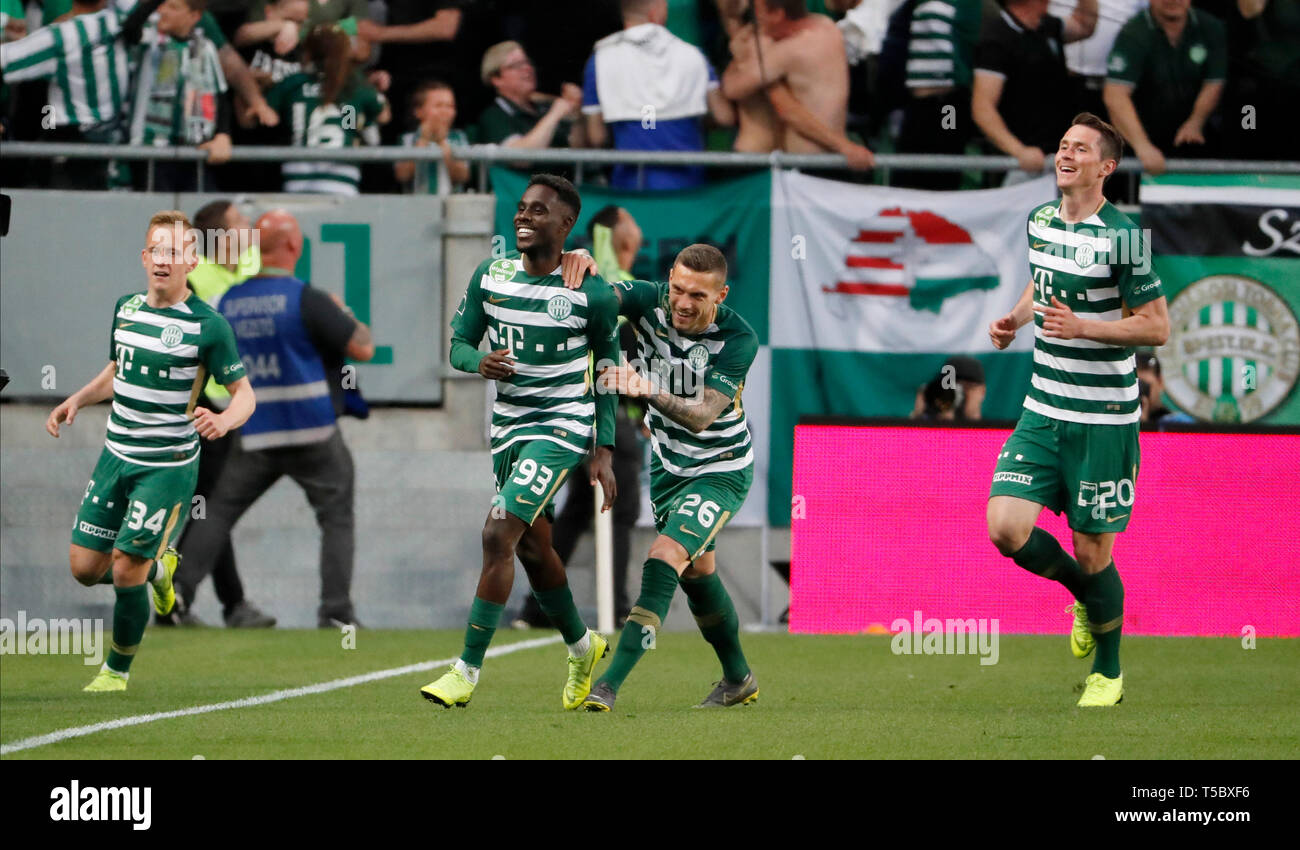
point(550, 330)
point(163, 359)
point(942, 43)
point(1101, 268)
point(313, 124)
point(719, 357)
point(87, 67)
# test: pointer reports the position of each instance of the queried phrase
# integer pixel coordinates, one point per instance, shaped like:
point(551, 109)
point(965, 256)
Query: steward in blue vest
point(288, 333)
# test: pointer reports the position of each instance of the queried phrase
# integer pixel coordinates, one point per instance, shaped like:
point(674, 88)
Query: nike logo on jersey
point(1038, 246)
point(686, 530)
point(521, 500)
point(498, 300)
point(1115, 518)
point(125, 325)
point(661, 332)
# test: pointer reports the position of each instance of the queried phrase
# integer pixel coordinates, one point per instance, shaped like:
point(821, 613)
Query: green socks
point(557, 603)
point(1043, 556)
point(716, 616)
point(483, 619)
point(658, 583)
point(1104, 599)
point(130, 616)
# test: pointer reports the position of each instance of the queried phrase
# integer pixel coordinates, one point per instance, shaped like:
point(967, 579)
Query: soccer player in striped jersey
point(1093, 297)
point(542, 424)
point(694, 353)
point(164, 344)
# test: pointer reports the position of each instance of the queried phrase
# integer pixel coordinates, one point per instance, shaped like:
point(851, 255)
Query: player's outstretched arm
point(99, 389)
point(212, 425)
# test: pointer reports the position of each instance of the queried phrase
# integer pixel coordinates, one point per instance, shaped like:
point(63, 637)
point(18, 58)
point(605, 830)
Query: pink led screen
point(889, 520)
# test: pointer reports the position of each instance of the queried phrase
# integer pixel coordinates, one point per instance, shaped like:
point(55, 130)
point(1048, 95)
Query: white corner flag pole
point(604, 527)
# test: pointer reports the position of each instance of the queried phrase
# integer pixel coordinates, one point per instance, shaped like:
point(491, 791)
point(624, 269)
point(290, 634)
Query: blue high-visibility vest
point(293, 395)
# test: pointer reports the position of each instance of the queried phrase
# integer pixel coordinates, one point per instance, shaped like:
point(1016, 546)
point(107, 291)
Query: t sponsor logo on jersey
point(559, 308)
point(502, 270)
point(172, 336)
point(1234, 349)
point(698, 357)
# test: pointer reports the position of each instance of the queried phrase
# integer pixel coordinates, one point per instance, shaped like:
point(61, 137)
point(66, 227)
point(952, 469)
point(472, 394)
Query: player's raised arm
point(602, 338)
point(99, 389)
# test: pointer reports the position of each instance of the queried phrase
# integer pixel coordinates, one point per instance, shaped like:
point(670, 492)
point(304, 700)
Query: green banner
point(1228, 255)
point(731, 214)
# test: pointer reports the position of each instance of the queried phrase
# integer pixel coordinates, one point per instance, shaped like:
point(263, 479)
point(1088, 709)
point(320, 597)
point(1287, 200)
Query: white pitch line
point(249, 702)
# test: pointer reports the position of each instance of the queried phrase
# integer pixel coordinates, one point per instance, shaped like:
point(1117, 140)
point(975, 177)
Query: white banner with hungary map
point(873, 288)
point(1227, 248)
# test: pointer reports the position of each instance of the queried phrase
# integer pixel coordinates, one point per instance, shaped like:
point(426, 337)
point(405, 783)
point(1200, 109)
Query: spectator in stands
point(1167, 69)
point(1086, 59)
point(229, 257)
point(1270, 81)
point(279, 319)
point(1023, 99)
point(265, 24)
point(936, 109)
point(433, 105)
point(180, 96)
point(650, 91)
point(271, 43)
point(516, 118)
point(956, 392)
point(85, 59)
point(791, 83)
point(1148, 371)
point(419, 42)
point(328, 105)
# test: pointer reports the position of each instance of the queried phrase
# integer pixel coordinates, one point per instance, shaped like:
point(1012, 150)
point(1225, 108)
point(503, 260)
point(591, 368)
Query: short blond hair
point(167, 218)
point(494, 57)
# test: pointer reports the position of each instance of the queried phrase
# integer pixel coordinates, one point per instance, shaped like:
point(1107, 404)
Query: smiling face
point(693, 297)
point(1080, 163)
point(542, 220)
point(516, 79)
point(437, 104)
point(170, 254)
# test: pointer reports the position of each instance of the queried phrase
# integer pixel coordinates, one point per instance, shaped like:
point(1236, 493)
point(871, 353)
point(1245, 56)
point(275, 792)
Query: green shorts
point(529, 474)
point(137, 509)
point(693, 510)
point(1089, 471)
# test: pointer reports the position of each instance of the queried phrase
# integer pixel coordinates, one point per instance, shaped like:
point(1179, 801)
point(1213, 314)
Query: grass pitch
point(822, 697)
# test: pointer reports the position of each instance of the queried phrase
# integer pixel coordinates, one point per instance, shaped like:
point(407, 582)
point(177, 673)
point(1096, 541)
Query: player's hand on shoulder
point(65, 412)
point(498, 365)
point(575, 266)
point(210, 425)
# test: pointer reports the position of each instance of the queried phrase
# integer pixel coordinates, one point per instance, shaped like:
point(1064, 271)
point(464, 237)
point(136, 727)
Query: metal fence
point(581, 158)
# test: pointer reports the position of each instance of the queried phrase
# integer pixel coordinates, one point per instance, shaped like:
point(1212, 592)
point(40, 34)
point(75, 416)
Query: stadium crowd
point(1179, 78)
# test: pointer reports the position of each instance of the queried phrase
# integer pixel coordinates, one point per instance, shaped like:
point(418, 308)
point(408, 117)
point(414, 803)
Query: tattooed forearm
point(696, 413)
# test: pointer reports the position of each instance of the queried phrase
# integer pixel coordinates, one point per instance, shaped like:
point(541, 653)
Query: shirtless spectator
point(799, 64)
